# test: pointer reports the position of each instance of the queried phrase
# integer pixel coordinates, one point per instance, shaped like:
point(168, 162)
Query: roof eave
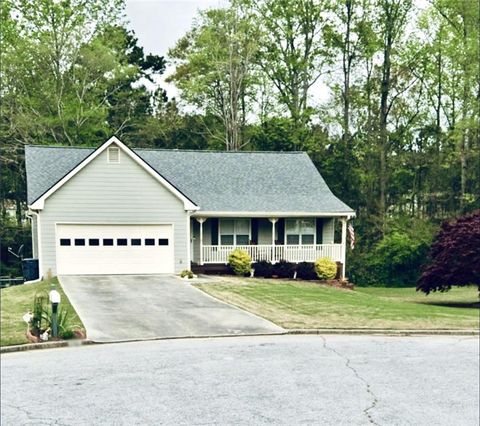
point(273, 214)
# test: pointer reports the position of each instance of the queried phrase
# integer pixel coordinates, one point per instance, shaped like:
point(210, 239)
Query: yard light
point(54, 296)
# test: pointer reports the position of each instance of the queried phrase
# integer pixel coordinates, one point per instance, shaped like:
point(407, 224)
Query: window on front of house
point(234, 232)
point(300, 231)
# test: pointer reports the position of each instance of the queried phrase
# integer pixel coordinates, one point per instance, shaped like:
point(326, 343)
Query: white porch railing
point(275, 253)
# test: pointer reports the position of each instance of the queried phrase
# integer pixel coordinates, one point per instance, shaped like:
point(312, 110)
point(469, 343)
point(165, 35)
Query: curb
point(319, 331)
point(44, 345)
point(384, 332)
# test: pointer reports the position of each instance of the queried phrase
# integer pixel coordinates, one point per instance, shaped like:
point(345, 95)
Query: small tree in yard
point(455, 256)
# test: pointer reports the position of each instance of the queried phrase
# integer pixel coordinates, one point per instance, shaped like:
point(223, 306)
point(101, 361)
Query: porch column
point(344, 246)
point(200, 220)
point(273, 220)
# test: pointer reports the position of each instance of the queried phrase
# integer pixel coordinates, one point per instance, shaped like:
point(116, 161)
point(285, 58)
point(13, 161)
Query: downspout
point(189, 239)
point(29, 214)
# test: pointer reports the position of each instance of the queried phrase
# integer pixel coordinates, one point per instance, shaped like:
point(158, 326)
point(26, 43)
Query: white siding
point(106, 193)
point(328, 232)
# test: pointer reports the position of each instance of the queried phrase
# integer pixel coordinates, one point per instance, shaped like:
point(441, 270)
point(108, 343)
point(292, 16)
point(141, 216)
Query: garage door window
point(136, 242)
point(163, 242)
point(108, 242)
point(122, 241)
point(93, 242)
point(65, 242)
point(79, 241)
point(149, 241)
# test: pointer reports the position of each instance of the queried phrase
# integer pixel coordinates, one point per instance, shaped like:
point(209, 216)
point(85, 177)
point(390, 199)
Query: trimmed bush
point(263, 268)
point(240, 261)
point(325, 268)
point(306, 271)
point(186, 274)
point(284, 269)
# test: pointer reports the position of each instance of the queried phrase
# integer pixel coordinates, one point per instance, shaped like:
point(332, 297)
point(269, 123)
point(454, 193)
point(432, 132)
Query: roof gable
point(38, 202)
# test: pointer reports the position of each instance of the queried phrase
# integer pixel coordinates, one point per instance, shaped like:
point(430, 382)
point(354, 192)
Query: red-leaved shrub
point(454, 256)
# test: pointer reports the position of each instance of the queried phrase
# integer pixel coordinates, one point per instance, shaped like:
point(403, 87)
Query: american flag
point(351, 234)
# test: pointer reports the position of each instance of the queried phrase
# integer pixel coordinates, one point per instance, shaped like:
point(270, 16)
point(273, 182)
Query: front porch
point(294, 239)
point(274, 253)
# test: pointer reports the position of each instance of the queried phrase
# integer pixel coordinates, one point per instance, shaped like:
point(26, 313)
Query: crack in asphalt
point(32, 418)
point(367, 410)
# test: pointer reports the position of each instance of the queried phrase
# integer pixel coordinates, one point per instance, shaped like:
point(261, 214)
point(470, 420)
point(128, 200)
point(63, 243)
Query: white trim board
point(219, 214)
point(39, 203)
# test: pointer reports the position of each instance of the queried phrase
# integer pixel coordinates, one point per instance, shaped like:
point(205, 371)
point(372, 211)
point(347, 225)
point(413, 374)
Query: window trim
point(234, 231)
point(300, 231)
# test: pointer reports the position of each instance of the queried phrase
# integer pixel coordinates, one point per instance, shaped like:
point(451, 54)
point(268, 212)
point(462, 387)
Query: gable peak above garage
point(113, 157)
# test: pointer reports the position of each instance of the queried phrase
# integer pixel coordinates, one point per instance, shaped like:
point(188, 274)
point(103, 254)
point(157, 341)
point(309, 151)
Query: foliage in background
point(454, 256)
point(240, 261)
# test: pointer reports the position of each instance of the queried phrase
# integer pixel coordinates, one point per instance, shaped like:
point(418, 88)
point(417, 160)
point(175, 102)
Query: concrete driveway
point(130, 307)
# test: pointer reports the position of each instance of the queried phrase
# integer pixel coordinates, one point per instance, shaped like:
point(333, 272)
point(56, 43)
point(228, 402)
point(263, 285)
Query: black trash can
point(30, 269)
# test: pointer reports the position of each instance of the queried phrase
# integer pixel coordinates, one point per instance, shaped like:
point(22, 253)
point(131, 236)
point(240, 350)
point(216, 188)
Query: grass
point(296, 304)
point(18, 300)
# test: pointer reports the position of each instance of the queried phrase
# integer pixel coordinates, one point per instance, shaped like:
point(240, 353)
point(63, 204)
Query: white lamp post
point(54, 296)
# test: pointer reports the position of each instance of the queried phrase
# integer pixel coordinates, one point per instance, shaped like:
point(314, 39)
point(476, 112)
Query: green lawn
point(16, 301)
point(296, 304)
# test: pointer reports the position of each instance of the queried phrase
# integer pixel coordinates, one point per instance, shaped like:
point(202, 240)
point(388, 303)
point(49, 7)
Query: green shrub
point(240, 261)
point(186, 273)
point(263, 268)
point(394, 261)
point(325, 268)
point(306, 271)
point(284, 269)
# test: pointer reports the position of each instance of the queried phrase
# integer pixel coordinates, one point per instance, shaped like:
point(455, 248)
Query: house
point(114, 210)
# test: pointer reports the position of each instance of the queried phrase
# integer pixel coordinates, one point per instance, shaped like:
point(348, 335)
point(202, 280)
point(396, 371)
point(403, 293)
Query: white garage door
point(114, 249)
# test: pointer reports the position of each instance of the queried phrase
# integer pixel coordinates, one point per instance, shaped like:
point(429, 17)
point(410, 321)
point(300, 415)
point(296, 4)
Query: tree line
point(383, 94)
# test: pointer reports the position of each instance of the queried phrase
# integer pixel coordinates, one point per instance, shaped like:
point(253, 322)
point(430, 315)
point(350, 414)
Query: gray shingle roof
point(215, 181)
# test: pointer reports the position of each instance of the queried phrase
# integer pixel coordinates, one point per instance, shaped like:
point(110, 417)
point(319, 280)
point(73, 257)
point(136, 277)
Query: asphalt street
point(262, 380)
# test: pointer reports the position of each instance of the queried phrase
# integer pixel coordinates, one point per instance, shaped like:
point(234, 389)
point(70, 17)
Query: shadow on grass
point(467, 305)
